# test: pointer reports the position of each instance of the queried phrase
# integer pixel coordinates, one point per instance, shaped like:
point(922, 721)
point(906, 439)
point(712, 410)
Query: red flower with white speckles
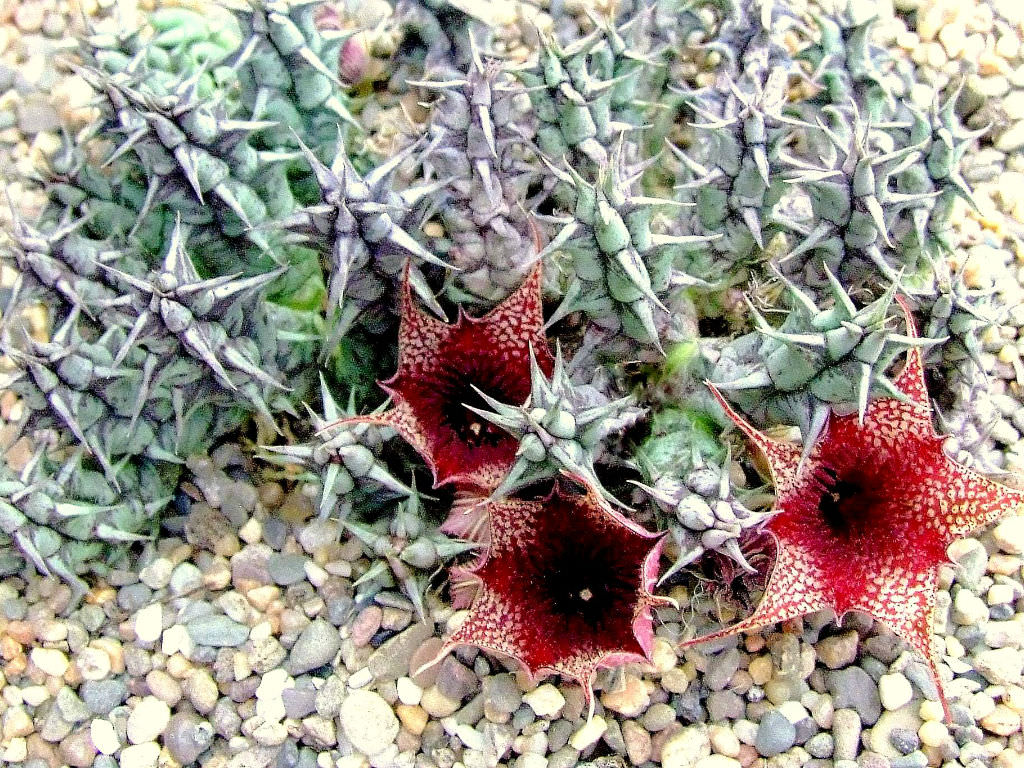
point(564, 586)
point(863, 523)
point(438, 367)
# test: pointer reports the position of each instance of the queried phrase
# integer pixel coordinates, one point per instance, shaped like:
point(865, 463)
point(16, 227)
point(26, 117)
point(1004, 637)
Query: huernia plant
point(279, 205)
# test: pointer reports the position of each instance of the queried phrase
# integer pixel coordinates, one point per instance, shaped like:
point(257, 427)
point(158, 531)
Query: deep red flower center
point(588, 582)
point(469, 427)
point(846, 499)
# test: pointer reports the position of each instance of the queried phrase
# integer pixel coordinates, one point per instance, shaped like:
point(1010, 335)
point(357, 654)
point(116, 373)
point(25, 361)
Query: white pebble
point(895, 691)
point(1009, 535)
point(368, 721)
point(50, 661)
point(92, 663)
point(408, 692)
point(545, 700)
point(148, 720)
point(140, 755)
point(588, 733)
point(269, 698)
point(360, 678)
point(149, 623)
point(103, 736)
point(933, 733)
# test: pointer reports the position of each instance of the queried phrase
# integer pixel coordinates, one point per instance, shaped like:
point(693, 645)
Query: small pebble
point(368, 722)
point(545, 700)
point(775, 734)
point(148, 720)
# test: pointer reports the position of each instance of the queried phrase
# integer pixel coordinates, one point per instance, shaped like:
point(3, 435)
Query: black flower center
point(843, 498)
point(589, 584)
point(470, 428)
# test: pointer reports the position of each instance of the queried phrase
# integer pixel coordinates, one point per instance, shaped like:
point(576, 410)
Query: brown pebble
point(748, 755)
point(77, 750)
point(271, 495)
point(366, 625)
point(39, 749)
point(413, 718)
point(426, 653)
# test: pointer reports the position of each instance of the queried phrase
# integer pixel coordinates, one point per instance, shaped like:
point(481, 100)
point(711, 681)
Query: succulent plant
point(403, 551)
point(564, 586)
point(369, 248)
point(705, 513)
point(560, 428)
point(275, 202)
point(343, 457)
point(69, 521)
point(818, 361)
point(477, 149)
point(863, 522)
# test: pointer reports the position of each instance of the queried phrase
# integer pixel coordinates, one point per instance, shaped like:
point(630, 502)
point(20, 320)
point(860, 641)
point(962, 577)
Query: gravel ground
point(239, 641)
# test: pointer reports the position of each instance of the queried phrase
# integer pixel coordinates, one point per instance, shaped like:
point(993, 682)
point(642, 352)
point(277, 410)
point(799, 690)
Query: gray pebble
point(14, 608)
point(307, 758)
point(285, 569)
point(613, 737)
point(846, 728)
point(299, 702)
point(455, 680)
point(71, 707)
point(558, 734)
point(316, 646)
point(916, 759)
point(288, 756)
point(972, 562)
point(50, 725)
point(275, 533)
point(132, 597)
point(805, 729)
point(7, 75)
point(217, 631)
point(225, 719)
point(853, 687)
point(36, 115)
point(886, 648)
point(870, 759)
point(185, 578)
point(688, 706)
point(502, 694)
point(725, 705)
point(391, 660)
point(101, 696)
point(1001, 612)
point(658, 717)
point(820, 746)
point(187, 736)
point(916, 672)
point(904, 740)
point(775, 734)
point(328, 699)
point(566, 757)
point(339, 609)
point(721, 667)
point(472, 712)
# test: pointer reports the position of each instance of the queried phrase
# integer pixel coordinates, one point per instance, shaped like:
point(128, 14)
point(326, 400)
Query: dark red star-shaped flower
point(563, 586)
point(440, 367)
point(863, 523)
